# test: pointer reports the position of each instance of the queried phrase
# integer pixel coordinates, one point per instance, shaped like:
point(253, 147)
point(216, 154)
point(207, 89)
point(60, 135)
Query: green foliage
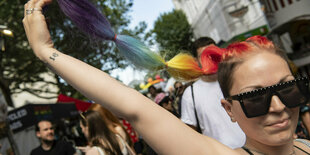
point(20, 70)
point(173, 33)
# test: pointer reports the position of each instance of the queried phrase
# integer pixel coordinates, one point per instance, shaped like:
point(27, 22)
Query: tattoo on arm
point(53, 57)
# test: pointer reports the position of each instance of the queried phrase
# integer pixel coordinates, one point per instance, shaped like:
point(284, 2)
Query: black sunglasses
point(292, 93)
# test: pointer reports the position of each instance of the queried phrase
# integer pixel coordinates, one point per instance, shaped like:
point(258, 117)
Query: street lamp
point(4, 31)
point(7, 32)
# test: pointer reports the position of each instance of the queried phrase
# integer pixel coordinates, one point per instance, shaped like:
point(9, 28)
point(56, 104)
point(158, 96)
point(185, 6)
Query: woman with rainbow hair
point(260, 91)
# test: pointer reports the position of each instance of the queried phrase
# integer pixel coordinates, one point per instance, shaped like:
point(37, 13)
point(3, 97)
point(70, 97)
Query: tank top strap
point(121, 139)
point(247, 150)
point(127, 150)
point(304, 142)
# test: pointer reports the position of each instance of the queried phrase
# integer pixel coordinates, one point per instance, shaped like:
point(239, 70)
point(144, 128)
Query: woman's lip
point(280, 124)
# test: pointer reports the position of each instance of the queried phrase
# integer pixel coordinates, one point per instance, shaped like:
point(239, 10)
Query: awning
point(80, 105)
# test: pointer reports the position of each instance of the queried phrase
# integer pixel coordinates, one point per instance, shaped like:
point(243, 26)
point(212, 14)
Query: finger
point(30, 7)
point(41, 3)
point(26, 26)
point(25, 8)
point(31, 4)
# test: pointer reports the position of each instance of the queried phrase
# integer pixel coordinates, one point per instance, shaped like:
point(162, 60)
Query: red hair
point(235, 55)
point(235, 49)
point(261, 41)
point(210, 58)
point(213, 55)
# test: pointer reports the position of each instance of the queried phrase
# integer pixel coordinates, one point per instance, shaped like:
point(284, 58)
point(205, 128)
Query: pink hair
point(213, 55)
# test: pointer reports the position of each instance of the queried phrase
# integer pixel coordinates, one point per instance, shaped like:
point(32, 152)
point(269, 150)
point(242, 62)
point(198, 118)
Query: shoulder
point(198, 82)
point(64, 146)
point(302, 141)
point(120, 131)
point(36, 151)
point(93, 151)
point(118, 128)
point(63, 143)
point(187, 92)
point(217, 147)
point(303, 144)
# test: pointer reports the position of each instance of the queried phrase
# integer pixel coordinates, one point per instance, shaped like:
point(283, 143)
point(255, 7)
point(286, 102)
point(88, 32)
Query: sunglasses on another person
point(292, 93)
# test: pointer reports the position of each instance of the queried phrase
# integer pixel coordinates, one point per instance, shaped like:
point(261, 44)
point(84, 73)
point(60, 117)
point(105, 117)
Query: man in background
point(201, 108)
point(50, 146)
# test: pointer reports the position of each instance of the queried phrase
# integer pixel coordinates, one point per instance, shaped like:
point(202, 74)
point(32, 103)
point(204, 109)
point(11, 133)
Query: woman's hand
point(35, 26)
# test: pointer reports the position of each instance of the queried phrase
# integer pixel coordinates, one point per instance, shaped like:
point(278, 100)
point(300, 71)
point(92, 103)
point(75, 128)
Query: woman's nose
point(276, 104)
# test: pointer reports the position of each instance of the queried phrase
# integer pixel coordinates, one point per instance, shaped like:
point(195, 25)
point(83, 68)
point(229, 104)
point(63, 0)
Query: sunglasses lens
point(292, 93)
point(295, 95)
point(256, 105)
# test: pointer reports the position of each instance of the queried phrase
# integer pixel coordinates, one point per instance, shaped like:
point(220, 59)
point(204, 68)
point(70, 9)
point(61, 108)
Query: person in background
point(153, 92)
point(118, 126)
point(135, 138)
point(305, 117)
point(178, 93)
point(201, 108)
point(101, 139)
point(50, 146)
point(112, 122)
point(166, 103)
point(303, 126)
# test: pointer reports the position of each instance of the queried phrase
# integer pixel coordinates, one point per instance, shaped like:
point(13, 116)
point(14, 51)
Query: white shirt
point(213, 119)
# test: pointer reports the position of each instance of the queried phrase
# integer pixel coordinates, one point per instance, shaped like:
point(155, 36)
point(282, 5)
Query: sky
point(148, 11)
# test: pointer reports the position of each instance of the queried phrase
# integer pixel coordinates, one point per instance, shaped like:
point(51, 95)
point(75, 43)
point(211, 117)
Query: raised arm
point(164, 132)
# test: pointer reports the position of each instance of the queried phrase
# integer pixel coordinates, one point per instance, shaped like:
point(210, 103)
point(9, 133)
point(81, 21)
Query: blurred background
point(30, 91)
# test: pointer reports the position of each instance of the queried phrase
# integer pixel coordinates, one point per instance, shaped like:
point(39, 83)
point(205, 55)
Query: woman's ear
point(227, 106)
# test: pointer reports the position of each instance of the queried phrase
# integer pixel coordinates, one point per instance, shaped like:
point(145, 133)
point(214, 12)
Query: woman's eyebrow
point(285, 78)
point(253, 87)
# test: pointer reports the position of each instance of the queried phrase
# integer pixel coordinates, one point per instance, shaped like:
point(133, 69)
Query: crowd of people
point(245, 99)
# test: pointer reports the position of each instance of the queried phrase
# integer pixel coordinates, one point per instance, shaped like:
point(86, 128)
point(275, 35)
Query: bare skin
point(163, 132)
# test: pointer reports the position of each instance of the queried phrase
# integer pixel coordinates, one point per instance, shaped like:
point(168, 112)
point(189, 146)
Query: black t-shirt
point(59, 148)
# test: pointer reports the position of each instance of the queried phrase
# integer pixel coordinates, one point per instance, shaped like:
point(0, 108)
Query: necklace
point(250, 151)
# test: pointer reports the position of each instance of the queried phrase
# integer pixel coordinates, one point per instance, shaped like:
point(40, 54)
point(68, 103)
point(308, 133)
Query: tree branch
point(40, 96)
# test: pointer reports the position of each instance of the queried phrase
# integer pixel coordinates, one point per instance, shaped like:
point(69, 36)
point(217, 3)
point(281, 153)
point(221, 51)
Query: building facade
point(223, 20)
point(289, 21)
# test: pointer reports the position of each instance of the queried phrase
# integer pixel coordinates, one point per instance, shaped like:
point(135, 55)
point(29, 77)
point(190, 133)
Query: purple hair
point(92, 22)
point(87, 18)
